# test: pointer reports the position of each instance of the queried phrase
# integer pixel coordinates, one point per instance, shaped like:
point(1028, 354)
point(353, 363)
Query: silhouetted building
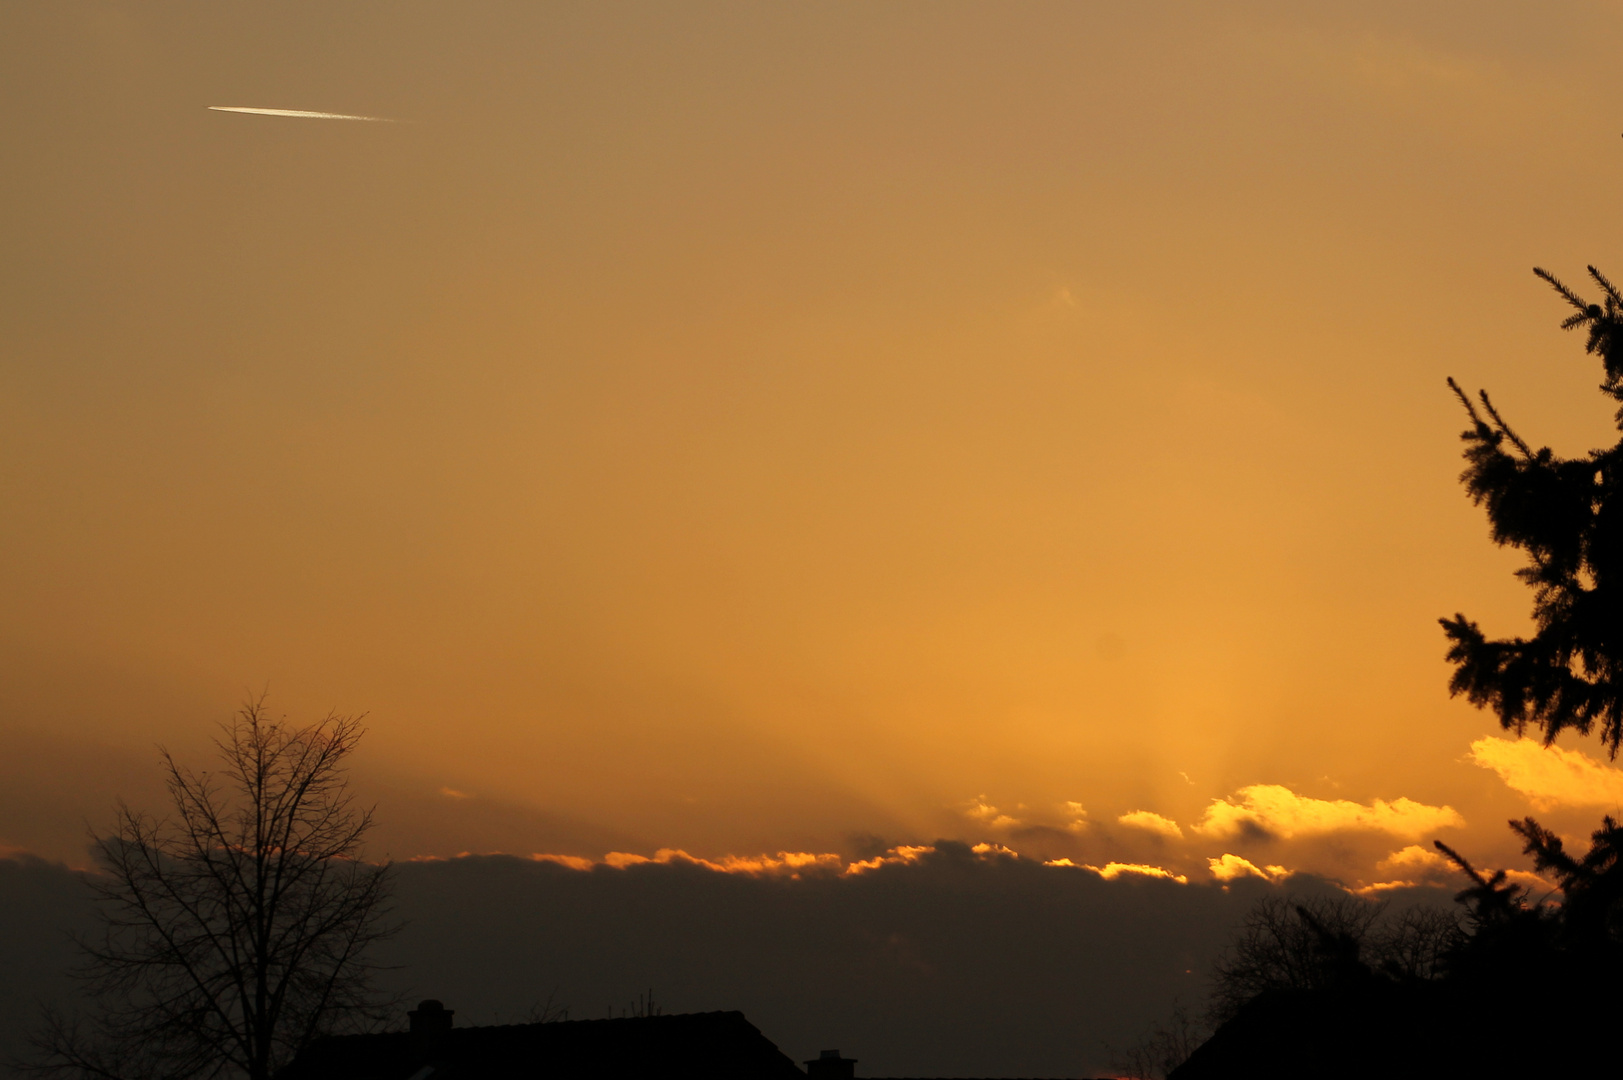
point(691, 1046)
point(829, 1065)
point(711, 1046)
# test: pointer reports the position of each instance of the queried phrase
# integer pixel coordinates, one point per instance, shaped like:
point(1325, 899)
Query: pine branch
point(1611, 290)
point(1466, 401)
point(1461, 862)
point(1571, 297)
point(1499, 422)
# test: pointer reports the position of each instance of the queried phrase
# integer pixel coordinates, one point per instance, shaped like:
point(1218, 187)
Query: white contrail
point(305, 114)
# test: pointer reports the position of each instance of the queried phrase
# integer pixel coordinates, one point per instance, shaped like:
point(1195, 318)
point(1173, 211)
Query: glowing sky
point(820, 428)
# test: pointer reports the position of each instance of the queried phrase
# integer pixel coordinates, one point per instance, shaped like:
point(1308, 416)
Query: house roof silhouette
point(714, 1045)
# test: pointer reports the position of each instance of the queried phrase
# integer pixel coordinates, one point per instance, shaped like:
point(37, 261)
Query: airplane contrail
point(303, 113)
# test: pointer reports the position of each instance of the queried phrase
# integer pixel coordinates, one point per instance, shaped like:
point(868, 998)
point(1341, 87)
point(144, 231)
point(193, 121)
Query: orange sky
point(741, 428)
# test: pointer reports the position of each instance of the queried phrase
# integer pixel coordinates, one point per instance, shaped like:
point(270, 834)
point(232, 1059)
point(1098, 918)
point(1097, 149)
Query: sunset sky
point(824, 428)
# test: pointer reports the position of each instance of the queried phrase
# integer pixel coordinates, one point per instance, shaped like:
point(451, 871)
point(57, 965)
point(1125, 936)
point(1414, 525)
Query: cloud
point(790, 863)
point(1278, 811)
point(1539, 888)
point(453, 793)
point(1230, 867)
point(1532, 882)
point(784, 863)
point(896, 856)
point(1549, 776)
point(981, 810)
point(1112, 871)
point(1414, 859)
point(1410, 866)
point(1152, 822)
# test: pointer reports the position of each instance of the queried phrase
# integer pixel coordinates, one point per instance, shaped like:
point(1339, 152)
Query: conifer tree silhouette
point(1591, 887)
point(1541, 966)
point(1567, 515)
point(1525, 986)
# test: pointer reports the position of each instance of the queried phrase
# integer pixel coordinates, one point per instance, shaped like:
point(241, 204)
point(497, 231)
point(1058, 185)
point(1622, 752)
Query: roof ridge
point(609, 1020)
point(721, 1044)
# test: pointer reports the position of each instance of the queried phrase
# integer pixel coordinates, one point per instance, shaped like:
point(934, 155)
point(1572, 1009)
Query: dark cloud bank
point(954, 965)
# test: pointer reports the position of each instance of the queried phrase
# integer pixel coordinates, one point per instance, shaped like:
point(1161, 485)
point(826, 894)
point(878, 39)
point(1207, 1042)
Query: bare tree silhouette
point(1321, 942)
point(1162, 1048)
point(235, 930)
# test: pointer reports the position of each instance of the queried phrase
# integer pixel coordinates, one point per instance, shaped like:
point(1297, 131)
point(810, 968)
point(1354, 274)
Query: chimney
point(430, 1027)
point(829, 1065)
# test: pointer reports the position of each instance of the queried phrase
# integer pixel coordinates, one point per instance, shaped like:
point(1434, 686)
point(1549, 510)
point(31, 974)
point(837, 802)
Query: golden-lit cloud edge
point(1273, 810)
point(978, 809)
point(1550, 777)
point(794, 864)
point(1229, 867)
point(1152, 823)
point(1276, 810)
point(1415, 866)
point(1112, 871)
point(1259, 811)
point(1071, 815)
